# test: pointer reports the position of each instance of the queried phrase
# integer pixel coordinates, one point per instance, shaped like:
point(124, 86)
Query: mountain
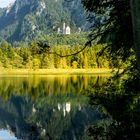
point(26, 19)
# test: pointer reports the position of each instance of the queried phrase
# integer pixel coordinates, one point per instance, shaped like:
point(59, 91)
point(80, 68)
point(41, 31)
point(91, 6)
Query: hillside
point(24, 20)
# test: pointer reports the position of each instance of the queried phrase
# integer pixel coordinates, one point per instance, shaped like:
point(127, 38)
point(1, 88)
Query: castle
point(66, 30)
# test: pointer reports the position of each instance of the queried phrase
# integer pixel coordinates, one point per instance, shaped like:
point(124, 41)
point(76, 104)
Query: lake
point(57, 107)
point(46, 107)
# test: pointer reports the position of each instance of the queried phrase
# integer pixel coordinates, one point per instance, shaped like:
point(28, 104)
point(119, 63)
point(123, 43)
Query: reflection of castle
point(65, 107)
point(65, 30)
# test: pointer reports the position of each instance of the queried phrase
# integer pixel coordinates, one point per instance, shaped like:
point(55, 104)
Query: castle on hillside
point(66, 30)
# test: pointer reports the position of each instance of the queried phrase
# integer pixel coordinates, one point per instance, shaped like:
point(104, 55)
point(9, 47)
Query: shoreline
point(99, 71)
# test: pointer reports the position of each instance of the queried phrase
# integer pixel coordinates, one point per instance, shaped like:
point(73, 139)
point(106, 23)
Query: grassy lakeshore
point(54, 71)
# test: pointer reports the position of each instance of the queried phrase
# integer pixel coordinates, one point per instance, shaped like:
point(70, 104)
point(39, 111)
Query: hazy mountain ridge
point(26, 19)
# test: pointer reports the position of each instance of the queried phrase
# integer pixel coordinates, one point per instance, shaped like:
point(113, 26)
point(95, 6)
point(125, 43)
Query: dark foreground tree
point(117, 23)
point(112, 24)
point(135, 12)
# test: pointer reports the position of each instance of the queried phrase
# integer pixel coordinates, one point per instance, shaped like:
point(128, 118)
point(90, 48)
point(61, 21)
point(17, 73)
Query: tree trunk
point(135, 12)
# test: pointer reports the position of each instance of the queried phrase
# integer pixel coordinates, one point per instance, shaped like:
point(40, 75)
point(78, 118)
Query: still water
point(47, 107)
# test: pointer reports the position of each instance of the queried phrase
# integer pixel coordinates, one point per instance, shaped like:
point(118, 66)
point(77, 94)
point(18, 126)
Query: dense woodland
point(23, 55)
point(120, 29)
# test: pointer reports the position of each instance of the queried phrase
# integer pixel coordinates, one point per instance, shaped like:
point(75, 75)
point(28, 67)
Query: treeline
point(73, 39)
point(32, 58)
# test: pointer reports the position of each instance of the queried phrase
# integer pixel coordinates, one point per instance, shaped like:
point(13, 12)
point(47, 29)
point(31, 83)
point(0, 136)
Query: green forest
point(32, 55)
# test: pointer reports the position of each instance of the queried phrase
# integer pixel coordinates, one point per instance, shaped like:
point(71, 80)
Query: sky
point(5, 3)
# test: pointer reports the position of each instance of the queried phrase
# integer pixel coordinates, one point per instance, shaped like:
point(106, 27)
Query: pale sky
point(4, 3)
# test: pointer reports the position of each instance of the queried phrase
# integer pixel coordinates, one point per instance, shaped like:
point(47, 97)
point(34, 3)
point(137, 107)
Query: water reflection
point(119, 100)
point(48, 108)
point(35, 86)
point(5, 135)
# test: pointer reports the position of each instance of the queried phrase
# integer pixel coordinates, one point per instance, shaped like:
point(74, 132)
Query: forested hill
point(26, 19)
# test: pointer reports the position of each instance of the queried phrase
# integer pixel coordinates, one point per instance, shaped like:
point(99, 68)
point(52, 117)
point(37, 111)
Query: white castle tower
point(64, 28)
point(58, 31)
point(67, 30)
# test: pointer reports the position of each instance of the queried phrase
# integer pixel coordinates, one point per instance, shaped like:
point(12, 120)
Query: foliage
point(112, 24)
point(33, 57)
point(73, 39)
point(119, 99)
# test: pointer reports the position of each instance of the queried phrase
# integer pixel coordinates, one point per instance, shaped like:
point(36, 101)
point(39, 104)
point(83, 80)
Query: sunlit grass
point(54, 71)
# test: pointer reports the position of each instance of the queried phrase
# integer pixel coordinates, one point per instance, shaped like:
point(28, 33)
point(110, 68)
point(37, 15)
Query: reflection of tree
point(42, 119)
point(63, 126)
point(12, 117)
point(121, 106)
point(34, 114)
point(47, 85)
